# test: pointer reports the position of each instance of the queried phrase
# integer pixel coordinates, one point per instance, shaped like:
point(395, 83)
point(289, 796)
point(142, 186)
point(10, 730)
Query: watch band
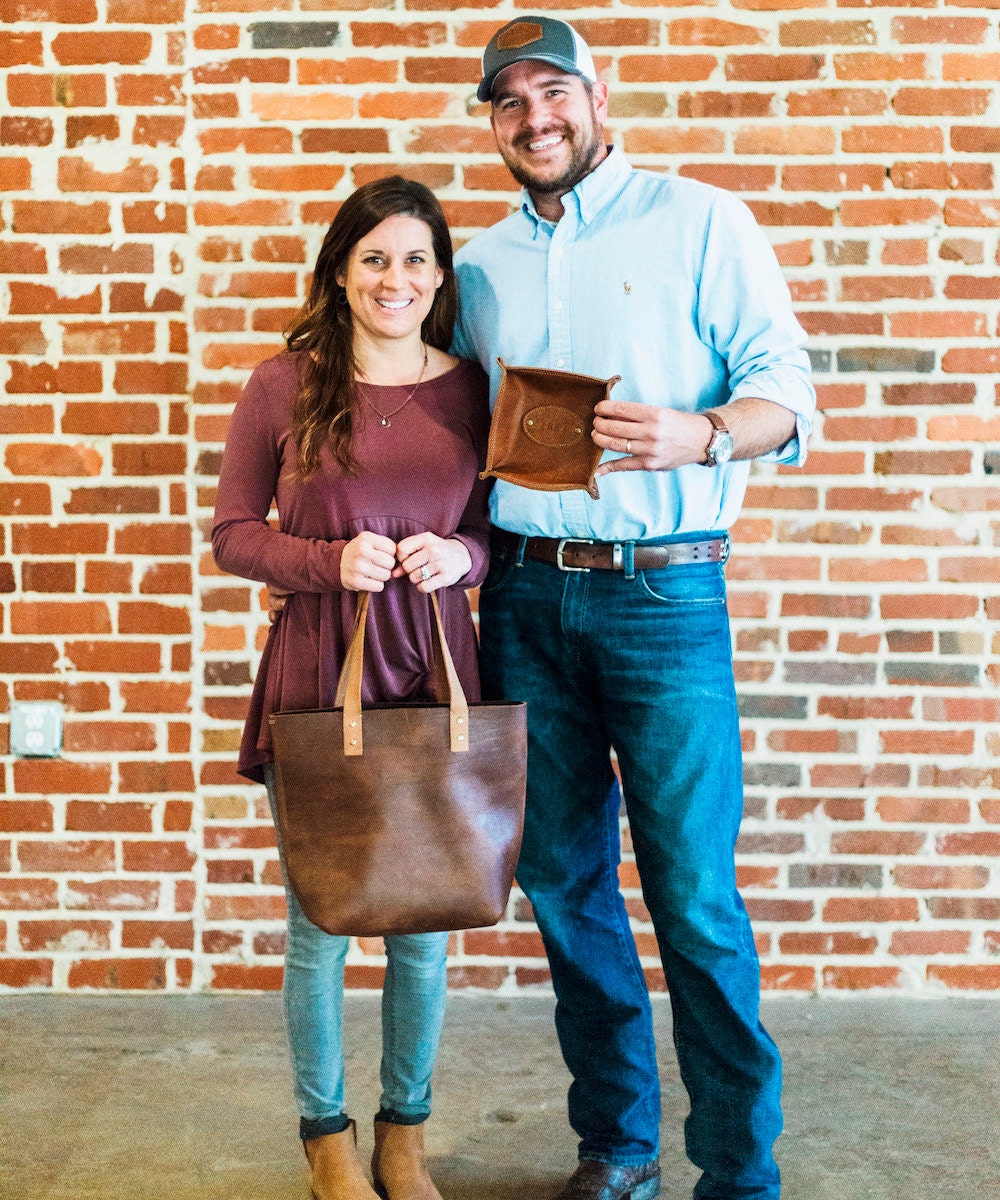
point(718, 426)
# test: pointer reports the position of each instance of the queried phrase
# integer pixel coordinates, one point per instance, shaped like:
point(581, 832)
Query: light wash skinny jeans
point(413, 1003)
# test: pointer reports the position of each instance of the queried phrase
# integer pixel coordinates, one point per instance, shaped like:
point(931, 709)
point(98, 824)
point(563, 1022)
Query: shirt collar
point(593, 191)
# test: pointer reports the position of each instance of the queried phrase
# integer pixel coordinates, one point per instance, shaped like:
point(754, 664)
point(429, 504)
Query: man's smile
point(546, 142)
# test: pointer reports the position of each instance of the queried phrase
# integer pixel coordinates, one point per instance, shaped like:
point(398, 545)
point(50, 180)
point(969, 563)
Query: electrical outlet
point(36, 728)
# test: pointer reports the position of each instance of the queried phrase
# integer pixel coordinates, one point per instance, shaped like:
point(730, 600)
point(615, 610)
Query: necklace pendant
point(383, 418)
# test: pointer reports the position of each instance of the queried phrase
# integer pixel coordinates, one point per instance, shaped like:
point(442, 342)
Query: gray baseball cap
point(542, 38)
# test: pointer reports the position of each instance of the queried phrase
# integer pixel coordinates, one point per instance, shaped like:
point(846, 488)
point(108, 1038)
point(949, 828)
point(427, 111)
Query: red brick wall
point(168, 168)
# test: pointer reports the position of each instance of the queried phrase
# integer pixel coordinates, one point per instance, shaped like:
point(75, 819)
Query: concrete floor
point(188, 1098)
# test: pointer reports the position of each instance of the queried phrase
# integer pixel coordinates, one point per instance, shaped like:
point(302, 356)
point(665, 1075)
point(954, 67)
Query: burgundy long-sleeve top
point(418, 473)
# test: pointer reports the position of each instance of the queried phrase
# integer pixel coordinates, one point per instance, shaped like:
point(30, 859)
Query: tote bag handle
point(349, 685)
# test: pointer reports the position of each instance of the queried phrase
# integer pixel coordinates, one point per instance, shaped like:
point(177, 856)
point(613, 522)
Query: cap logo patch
point(522, 34)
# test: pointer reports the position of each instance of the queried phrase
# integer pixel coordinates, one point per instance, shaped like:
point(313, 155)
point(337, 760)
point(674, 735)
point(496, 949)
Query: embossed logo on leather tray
point(553, 425)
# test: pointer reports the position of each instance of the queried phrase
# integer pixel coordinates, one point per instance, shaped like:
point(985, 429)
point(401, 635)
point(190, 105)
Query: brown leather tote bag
point(400, 818)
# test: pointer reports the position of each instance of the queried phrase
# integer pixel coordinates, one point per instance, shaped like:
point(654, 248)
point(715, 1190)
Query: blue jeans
point(413, 1004)
point(643, 665)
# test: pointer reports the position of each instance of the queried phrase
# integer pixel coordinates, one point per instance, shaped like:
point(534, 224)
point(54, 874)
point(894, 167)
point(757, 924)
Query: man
point(608, 616)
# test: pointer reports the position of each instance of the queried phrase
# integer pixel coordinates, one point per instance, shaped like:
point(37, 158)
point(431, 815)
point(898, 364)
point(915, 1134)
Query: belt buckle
point(559, 552)
point(725, 549)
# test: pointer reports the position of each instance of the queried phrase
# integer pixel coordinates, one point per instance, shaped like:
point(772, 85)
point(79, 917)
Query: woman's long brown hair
point(323, 328)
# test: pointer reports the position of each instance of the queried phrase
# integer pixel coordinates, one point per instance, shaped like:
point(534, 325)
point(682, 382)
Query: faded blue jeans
point(413, 1004)
point(643, 664)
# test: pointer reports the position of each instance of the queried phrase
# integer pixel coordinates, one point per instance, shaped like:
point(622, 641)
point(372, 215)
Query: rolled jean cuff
point(390, 1116)
point(321, 1126)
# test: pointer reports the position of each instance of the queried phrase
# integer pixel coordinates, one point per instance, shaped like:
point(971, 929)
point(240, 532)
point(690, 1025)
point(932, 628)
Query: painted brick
point(58, 856)
point(709, 31)
point(861, 978)
point(233, 70)
point(26, 972)
point(76, 90)
point(293, 35)
point(963, 908)
point(27, 895)
point(356, 140)
point(146, 12)
point(935, 30)
point(87, 49)
point(56, 216)
point(20, 49)
point(26, 816)
point(149, 89)
point(756, 68)
point(662, 68)
point(64, 12)
point(25, 131)
point(125, 974)
point(982, 977)
point(723, 104)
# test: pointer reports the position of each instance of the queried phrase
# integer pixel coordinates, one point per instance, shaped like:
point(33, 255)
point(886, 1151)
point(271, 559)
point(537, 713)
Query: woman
point(369, 436)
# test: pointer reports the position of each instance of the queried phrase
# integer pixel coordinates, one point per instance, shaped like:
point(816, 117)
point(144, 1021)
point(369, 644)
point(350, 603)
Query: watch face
point(722, 447)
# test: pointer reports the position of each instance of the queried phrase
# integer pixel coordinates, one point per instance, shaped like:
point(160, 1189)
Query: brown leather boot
point(335, 1173)
point(399, 1168)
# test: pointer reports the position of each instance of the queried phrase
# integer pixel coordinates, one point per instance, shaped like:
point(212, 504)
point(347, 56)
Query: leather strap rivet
point(349, 685)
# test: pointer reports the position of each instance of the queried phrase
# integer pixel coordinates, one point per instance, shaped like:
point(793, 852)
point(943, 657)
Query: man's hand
point(431, 562)
point(662, 439)
point(275, 603)
point(652, 439)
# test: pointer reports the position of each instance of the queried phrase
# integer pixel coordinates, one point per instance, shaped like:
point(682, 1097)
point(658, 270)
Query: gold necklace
point(384, 417)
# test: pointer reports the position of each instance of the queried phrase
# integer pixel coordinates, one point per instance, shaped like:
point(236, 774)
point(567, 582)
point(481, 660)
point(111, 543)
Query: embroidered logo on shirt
point(519, 35)
point(552, 425)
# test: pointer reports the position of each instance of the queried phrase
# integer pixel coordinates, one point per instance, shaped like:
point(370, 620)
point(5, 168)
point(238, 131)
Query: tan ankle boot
point(399, 1168)
point(335, 1173)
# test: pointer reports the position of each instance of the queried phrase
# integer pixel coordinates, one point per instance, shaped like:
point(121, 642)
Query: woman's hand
point(367, 562)
point(431, 562)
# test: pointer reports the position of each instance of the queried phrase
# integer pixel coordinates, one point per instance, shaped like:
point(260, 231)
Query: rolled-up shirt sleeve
point(745, 313)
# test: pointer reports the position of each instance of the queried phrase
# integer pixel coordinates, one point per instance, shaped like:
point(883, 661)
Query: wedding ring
point(425, 572)
point(628, 446)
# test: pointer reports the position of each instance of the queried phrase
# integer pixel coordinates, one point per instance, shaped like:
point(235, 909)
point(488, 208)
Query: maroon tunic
point(419, 474)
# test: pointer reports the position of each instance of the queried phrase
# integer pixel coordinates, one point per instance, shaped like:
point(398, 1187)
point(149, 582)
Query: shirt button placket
point(560, 346)
point(572, 504)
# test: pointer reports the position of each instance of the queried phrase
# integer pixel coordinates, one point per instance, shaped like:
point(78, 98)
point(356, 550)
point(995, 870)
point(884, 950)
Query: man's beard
point(583, 157)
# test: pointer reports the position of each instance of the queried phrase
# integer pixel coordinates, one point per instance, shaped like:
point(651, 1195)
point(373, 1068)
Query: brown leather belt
point(582, 554)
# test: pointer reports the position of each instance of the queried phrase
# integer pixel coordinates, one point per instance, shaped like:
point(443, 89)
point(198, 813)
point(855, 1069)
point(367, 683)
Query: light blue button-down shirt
point(664, 281)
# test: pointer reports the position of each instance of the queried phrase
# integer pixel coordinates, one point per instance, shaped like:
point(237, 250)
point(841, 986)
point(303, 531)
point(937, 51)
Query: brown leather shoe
point(335, 1173)
point(593, 1180)
point(399, 1168)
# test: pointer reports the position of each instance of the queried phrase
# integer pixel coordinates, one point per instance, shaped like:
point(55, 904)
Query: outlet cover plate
point(36, 728)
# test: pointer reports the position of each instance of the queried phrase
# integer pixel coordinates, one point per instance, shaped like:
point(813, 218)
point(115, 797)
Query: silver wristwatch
point(721, 445)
